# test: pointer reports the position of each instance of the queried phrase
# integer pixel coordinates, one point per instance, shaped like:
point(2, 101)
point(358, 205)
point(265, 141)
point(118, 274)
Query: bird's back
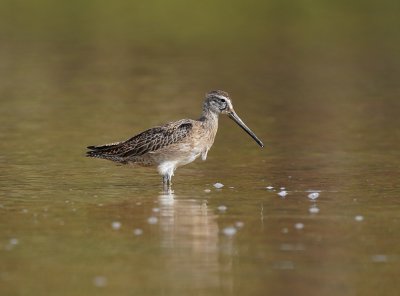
point(152, 140)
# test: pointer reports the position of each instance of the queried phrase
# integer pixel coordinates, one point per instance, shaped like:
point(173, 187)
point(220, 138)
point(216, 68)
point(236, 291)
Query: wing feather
point(148, 141)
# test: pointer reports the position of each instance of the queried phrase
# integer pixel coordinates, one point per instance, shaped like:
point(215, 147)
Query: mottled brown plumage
point(148, 141)
point(176, 143)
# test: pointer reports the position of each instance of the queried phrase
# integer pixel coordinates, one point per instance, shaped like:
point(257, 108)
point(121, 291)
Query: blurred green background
point(234, 37)
point(252, 24)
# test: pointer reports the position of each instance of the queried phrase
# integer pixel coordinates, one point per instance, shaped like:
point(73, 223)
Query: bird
point(176, 143)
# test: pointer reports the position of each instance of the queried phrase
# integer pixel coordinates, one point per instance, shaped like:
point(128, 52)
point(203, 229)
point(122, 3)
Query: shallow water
point(326, 110)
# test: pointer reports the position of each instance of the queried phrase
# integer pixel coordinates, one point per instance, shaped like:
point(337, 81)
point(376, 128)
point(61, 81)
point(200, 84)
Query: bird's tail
point(106, 151)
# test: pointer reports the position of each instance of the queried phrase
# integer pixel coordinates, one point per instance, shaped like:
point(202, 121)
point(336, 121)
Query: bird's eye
point(223, 100)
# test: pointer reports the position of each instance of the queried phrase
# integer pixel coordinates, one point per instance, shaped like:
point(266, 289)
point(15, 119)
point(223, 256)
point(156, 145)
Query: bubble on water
point(218, 185)
point(313, 210)
point(229, 231)
point(313, 195)
point(379, 258)
point(156, 210)
point(14, 241)
point(283, 193)
point(239, 224)
point(24, 211)
point(116, 225)
point(100, 205)
point(285, 230)
point(359, 218)
point(222, 208)
point(137, 231)
point(270, 187)
point(207, 190)
point(100, 281)
point(282, 188)
point(152, 220)
point(299, 226)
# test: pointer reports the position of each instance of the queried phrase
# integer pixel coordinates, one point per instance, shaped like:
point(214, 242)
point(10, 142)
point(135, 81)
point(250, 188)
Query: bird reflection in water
point(194, 248)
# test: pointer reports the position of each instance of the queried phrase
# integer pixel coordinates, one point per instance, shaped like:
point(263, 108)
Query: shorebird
point(176, 143)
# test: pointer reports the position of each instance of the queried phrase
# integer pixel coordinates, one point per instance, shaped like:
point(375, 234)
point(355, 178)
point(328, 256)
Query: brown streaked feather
point(148, 141)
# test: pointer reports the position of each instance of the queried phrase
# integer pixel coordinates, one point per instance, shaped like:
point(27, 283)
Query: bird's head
point(219, 102)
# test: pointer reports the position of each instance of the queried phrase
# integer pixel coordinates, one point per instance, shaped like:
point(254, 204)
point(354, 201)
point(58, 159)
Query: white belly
point(168, 167)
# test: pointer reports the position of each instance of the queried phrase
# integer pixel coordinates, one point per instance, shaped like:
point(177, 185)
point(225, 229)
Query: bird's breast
point(197, 143)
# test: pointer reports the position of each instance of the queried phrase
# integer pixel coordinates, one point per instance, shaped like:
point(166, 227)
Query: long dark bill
point(232, 115)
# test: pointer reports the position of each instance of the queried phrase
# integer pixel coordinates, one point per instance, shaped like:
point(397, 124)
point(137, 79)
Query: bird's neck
point(209, 118)
point(209, 123)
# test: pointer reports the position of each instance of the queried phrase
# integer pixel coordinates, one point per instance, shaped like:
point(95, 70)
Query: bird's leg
point(167, 179)
point(167, 182)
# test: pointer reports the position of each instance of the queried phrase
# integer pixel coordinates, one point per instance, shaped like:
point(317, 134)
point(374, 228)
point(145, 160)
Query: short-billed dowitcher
point(176, 143)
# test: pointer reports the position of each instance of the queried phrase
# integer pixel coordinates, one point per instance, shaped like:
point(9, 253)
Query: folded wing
point(148, 141)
